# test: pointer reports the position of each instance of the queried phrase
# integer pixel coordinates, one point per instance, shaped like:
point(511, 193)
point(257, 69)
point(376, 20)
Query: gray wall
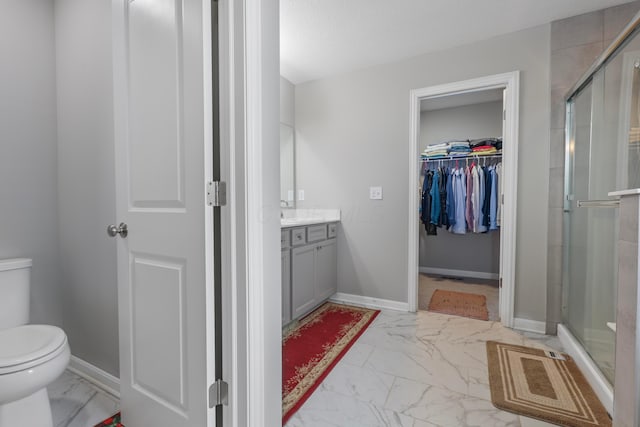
point(28, 189)
point(353, 132)
point(466, 252)
point(86, 180)
point(287, 102)
point(575, 44)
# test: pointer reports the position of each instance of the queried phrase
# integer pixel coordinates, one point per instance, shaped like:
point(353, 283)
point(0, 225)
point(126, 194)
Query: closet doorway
point(471, 130)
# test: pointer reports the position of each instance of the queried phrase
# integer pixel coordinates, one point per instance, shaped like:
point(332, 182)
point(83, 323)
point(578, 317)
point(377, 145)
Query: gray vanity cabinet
point(313, 276)
point(285, 263)
point(326, 269)
point(303, 275)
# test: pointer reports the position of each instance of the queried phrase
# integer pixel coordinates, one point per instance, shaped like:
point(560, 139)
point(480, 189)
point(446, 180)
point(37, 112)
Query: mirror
point(287, 166)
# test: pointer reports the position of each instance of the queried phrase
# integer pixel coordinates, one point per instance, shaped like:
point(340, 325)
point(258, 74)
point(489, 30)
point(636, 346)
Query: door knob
point(112, 230)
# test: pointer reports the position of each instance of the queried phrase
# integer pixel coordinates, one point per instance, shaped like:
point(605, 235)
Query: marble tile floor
point(407, 370)
point(76, 402)
point(416, 370)
point(428, 283)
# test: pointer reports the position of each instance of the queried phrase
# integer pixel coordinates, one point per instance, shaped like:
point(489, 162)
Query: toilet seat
point(30, 345)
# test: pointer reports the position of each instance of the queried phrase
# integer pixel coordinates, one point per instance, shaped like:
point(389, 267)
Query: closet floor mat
point(459, 304)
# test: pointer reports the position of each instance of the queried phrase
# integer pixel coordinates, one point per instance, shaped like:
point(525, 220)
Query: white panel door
point(162, 162)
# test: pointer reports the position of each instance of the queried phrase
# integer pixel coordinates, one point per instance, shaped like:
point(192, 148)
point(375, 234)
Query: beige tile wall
point(625, 393)
point(575, 44)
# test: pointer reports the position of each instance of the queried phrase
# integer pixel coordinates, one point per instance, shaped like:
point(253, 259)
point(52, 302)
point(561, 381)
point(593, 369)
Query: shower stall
point(602, 143)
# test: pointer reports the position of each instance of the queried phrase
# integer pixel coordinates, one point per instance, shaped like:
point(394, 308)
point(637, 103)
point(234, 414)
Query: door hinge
point(218, 394)
point(500, 283)
point(216, 193)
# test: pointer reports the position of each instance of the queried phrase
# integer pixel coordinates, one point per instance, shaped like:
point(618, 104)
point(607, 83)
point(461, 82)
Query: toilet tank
point(15, 279)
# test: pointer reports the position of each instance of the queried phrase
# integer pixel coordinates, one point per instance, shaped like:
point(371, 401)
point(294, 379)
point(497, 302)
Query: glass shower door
point(590, 274)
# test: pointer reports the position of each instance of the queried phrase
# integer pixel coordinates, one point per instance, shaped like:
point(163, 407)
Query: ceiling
point(320, 38)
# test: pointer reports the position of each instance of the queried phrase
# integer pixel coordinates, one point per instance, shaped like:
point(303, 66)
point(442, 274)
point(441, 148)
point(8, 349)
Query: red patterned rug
point(111, 422)
point(314, 347)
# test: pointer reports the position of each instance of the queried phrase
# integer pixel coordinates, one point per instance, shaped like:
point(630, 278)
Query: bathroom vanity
point(309, 264)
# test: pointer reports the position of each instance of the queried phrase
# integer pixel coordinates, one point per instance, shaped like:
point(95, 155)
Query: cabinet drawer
point(284, 239)
point(316, 233)
point(332, 230)
point(298, 237)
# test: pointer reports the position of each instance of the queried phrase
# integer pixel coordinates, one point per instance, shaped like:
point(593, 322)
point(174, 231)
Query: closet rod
point(448, 158)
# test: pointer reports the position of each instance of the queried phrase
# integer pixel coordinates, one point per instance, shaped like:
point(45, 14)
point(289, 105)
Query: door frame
point(249, 142)
point(510, 82)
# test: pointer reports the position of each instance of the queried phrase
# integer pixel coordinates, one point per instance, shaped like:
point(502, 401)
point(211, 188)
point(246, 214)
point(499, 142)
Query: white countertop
point(298, 222)
point(302, 217)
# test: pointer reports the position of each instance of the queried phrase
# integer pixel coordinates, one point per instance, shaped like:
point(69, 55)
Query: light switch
point(300, 195)
point(375, 193)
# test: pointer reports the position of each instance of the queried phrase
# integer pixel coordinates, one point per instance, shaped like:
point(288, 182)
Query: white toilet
point(31, 356)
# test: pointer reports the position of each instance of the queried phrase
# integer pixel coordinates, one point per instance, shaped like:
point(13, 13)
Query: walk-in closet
point(460, 144)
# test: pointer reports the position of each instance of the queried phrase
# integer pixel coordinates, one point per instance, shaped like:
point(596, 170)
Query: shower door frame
point(601, 386)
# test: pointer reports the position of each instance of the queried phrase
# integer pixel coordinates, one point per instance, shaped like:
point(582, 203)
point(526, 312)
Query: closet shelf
point(469, 157)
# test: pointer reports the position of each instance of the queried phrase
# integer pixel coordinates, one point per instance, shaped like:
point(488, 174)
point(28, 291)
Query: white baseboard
point(528, 325)
point(596, 379)
point(459, 273)
point(95, 375)
point(369, 302)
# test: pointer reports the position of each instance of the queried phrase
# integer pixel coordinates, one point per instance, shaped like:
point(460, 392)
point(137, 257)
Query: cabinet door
point(303, 296)
point(326, 269)
point(285, 263)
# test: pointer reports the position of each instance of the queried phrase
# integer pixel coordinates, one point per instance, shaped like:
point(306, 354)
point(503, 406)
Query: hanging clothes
point(451, 199)
point(475, 198)
point(443, 220)
point(480, 227)
point(459, 226)
point(494, 202)
point(486, 206)
point(499, 193)
point(435, 198)
point(468, 213)
point(461, 200)
point(425, 213)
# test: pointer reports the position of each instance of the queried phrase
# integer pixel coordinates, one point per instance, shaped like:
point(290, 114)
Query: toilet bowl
point(31, 356)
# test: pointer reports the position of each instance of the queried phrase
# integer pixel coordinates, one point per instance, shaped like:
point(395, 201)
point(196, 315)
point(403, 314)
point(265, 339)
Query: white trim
point(261, 242)
point(529, 325)
point(96, 376)
point(256, 347)
point(596, 379)
point(232, 218)
point(369, 302)
point(209, 237)
point(511, 83)
point(459, 273)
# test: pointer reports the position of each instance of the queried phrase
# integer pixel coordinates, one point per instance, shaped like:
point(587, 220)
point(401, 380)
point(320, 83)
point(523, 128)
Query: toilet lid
point(27, 343)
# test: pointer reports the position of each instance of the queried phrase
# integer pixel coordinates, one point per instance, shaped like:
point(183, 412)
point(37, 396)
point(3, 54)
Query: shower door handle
point(598, 203)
